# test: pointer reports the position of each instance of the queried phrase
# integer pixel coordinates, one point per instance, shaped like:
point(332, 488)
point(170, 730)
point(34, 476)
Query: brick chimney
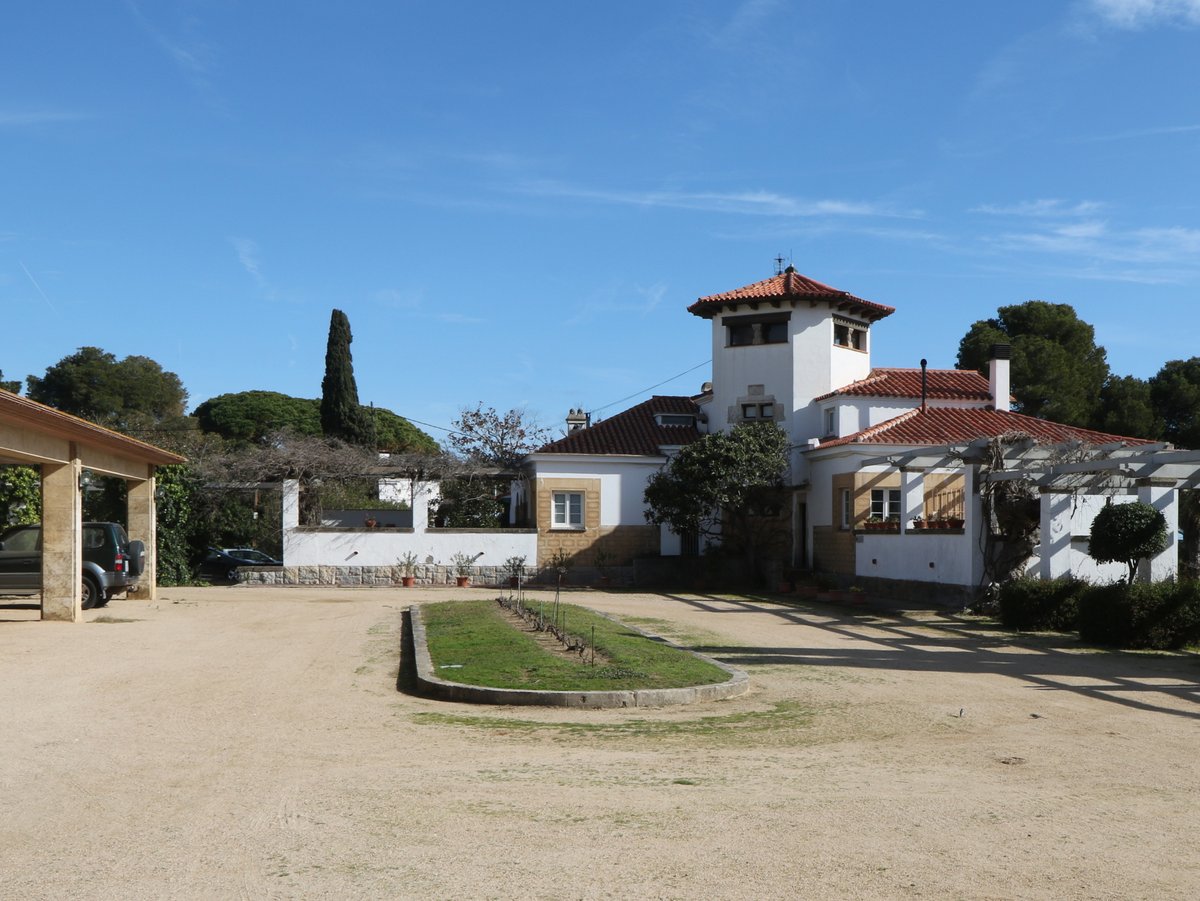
point(998, 380)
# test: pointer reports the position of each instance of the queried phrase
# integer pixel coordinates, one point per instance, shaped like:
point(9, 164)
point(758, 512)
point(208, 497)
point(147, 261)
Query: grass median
point(477, 643)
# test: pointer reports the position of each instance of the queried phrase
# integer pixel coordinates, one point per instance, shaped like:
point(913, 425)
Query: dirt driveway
point(250, 743)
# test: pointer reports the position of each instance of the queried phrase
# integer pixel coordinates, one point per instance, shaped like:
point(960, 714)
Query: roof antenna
point(924, 383)
point(779, 261)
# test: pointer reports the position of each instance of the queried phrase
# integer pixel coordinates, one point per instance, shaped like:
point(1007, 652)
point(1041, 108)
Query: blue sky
point(514, 203)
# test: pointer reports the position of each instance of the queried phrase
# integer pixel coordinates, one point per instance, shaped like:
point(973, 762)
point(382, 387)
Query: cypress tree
point(341, 415)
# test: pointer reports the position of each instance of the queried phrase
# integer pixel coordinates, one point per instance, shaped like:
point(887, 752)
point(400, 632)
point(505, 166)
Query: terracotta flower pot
point(408, 581)
point(462, 581)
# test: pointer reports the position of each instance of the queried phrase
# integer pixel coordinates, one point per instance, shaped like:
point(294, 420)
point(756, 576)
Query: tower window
point(849, 334)
point(769, 328)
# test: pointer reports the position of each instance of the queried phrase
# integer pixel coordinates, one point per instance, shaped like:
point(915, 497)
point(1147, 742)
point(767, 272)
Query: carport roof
point(26, 413)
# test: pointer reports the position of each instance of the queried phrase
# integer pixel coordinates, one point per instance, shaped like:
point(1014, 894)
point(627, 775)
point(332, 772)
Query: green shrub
point(1035, 605)
point(1127, 532)
point(1160, 616)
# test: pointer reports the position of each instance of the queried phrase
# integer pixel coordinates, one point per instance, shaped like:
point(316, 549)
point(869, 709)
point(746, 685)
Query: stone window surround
point(765, 406)
point(566, 524)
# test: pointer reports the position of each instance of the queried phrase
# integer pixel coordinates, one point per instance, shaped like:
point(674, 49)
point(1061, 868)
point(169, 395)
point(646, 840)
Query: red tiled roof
point(789, 285)
point(959, 425)
point(941, 384)
point(633, 432)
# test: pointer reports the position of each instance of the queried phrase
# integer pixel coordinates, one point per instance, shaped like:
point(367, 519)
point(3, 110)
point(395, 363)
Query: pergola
point(1059, 472)
point(64, 446)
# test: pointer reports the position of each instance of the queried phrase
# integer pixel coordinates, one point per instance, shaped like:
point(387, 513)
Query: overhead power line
point(651, 388)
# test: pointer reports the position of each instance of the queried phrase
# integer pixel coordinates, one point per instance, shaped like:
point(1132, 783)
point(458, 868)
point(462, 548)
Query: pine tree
point(341, 415)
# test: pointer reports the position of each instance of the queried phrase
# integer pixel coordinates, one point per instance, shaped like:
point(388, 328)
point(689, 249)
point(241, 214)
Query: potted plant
point(462, 569)
point(918, 522)
point(408, 564)
point(515, 567)
point(874, 523)
point(955, 522)
point(602, 560)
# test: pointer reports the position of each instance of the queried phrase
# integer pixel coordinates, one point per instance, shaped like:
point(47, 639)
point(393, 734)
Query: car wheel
point(232, 575)
point(91, 595)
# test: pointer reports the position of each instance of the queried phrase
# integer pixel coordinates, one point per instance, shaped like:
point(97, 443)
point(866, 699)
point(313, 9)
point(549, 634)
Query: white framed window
point(567, 510)
point(831, 421)
point(847, 509)
point(885, 503)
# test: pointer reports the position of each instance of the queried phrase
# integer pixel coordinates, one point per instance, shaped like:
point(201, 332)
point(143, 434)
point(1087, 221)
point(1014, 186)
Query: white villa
point(888, 465)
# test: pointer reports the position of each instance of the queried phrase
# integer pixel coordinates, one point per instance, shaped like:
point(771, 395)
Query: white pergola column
point(912, 496)
point(290, 501)
point(1163, 497)
point(1055, 533)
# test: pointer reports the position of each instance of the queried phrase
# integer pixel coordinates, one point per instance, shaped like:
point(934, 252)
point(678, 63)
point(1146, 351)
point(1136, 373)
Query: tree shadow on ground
point(944, 642)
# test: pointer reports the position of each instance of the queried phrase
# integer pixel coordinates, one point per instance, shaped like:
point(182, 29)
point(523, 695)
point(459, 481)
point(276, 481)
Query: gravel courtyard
point(251, 743)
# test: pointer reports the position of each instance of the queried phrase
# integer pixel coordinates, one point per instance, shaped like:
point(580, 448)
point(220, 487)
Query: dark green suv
point(111, 562)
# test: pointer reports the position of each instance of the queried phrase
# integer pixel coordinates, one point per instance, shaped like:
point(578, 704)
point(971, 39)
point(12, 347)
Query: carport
point(64, 446)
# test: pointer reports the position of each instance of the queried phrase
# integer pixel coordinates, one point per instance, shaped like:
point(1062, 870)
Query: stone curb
point(432, 685)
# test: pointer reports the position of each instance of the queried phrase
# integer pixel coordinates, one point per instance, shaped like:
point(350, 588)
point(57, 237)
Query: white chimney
point(576, 420)
point(998, 382)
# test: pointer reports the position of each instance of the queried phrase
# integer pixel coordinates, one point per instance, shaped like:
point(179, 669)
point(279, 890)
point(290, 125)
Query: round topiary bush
point(1126, 533)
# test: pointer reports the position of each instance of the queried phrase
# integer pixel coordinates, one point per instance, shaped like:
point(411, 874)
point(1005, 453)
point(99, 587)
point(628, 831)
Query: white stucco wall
point(384, 547)
point(942, 559)
point(380, 547)
point(622, 481)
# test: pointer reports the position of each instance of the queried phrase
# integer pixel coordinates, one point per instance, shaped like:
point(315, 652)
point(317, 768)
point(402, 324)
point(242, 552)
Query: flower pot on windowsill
point(955, 523)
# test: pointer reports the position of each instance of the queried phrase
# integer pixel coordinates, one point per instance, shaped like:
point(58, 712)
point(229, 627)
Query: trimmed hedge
point(1160, 616)
point(1037, 605)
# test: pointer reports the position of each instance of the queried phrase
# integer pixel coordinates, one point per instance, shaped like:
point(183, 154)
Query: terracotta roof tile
point(790, 285)
point(633, 432)
point(957, 425)
point(941, 384)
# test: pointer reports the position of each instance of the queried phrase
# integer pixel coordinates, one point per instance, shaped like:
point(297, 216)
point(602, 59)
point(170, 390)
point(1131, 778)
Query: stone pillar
point(1055, 533)
point(912, 496)
point(62, 546)
point(143, 526)
point(1163, 497)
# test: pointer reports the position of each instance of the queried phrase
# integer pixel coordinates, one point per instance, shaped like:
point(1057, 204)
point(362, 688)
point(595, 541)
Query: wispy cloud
point(397, 299)
point(1176, 248)
point(1162, 131)
point(745, 23)
point(636, 300)
point(191, 55)
point(1136, 14)
point(23, 118)
point(1084, 245)
point(750, 203)
point(247, 254)
point(460, 319)
point(1042, 208)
